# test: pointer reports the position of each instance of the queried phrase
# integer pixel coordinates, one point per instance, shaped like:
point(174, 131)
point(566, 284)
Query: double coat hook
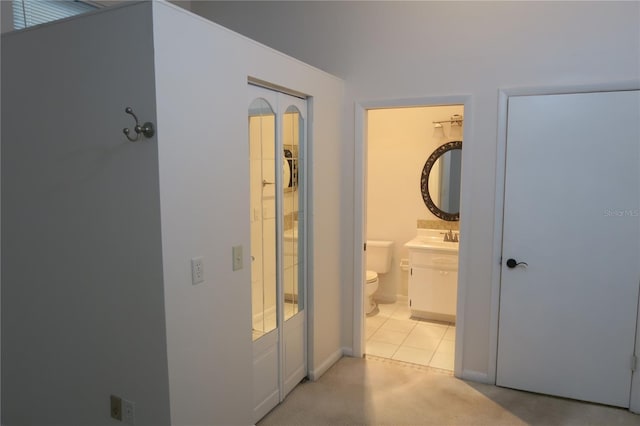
point(146, 129)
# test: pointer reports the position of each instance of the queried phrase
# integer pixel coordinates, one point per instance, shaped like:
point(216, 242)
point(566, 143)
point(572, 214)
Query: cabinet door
point(433, 290)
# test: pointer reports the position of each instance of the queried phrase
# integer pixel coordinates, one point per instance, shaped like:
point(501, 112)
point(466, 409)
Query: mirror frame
point(424, 181)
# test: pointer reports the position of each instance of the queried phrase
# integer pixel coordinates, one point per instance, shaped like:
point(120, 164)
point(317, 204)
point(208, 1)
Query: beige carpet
point(382, 392)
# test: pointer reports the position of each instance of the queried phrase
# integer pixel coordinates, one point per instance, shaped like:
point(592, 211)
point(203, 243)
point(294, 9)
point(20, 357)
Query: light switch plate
point(197, 270)
point(128, 412)
point(236, 252)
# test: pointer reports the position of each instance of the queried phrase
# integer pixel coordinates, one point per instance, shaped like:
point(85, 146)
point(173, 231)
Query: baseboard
point(476, 376)
point(385, 298)
point(347, 351)
point(401, 298)
point(316, 373)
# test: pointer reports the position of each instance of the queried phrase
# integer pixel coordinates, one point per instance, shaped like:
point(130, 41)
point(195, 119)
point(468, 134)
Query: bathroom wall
point(399, 141)
point(400, 50)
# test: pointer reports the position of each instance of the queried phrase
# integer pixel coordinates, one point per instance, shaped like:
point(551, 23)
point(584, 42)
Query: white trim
point(476, 376)
point(316, 373)
point(385, 298)
point(402, 298)
point(501, 145)
point(309, 229)
point(359, 190)
point(634, 393)
point(347, 352)
point(465, 222)
point(496, 270)
point(4, 21)
point(582, 88)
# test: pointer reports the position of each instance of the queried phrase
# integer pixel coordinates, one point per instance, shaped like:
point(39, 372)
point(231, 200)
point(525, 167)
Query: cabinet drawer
point(434, 259)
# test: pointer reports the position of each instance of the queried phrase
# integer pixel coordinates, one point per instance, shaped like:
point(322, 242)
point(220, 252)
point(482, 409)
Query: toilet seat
point(371, 276)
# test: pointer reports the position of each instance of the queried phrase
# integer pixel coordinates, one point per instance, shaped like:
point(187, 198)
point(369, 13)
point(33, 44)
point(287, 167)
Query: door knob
point(512, 263)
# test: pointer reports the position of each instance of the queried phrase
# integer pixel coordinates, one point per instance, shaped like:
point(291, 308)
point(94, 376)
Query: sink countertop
point(431, 239)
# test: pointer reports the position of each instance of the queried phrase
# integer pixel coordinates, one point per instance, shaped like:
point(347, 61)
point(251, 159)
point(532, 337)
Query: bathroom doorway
point(406, 155)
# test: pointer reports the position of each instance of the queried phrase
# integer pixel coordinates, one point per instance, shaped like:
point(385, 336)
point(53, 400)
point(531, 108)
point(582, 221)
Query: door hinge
point(411, 271)
point(634, 362)
point(409, 302)
point(365, 246)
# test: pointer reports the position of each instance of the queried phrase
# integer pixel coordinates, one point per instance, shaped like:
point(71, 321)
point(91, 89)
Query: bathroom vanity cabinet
point(433, 280)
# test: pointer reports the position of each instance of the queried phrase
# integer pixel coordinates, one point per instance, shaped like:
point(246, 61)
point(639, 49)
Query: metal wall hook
point(146, 129)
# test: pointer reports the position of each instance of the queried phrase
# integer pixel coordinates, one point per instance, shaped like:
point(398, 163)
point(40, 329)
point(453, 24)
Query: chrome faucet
point(450, 236)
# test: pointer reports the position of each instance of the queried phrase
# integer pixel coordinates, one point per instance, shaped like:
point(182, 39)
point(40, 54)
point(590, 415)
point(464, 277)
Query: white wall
point(399, 141)
point(201, 72)
point(82, 284)
point(106, 228)
point(6, 16)
point(392, 50)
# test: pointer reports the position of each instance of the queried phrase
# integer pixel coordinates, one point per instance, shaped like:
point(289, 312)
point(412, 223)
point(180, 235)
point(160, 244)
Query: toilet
point(379, 255)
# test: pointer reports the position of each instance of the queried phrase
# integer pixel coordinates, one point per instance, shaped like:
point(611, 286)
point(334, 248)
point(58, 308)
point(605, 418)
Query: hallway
point(384, 392)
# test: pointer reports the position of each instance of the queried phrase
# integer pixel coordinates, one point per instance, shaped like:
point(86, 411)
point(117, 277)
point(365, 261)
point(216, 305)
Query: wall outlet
point(116, 407)
point(236, 252)
point(197, 270)
point(123, 410)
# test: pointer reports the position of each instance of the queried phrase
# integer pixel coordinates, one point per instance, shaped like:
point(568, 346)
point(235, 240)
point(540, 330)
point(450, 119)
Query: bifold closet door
point(571, 246)
point(277, 129)
point(264, 250)
point(292, 110)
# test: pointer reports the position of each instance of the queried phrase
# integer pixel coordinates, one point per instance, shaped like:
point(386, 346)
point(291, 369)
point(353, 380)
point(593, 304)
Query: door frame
point(501, 147)
point(359, 221)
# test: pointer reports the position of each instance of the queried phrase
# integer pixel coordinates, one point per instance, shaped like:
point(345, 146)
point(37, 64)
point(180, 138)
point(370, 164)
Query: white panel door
point(263, 219)
point(571, 212)
point(293, 113)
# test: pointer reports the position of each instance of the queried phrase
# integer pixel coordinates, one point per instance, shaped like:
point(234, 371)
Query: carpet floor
point(374, 391)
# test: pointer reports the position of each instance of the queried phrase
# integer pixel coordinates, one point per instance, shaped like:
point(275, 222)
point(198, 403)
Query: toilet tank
point(379, 255)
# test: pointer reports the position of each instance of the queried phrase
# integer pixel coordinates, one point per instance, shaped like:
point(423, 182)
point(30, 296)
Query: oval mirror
point(440, 181)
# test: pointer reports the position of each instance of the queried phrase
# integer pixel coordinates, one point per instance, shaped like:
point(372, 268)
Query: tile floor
point(392, 333)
